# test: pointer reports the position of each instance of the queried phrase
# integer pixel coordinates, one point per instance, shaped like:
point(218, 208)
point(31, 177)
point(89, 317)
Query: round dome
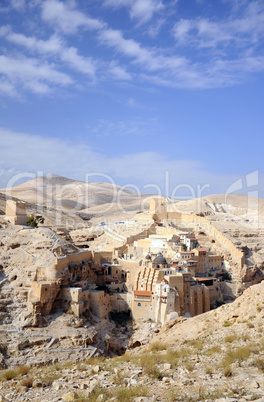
point(160, 259)
point(148, 257)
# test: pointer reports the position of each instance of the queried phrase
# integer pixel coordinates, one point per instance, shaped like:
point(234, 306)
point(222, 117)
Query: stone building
point(75, 299)
point(16, 212)
point(159, 291)
point(100, 304)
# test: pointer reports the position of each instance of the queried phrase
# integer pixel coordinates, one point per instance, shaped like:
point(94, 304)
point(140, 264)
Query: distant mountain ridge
point(68, 194)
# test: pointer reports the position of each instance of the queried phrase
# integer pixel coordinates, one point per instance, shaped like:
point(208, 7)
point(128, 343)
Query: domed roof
point(148, 257)
point(160, 259)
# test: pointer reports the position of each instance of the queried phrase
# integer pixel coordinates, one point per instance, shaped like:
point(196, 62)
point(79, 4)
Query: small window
point(139, 304)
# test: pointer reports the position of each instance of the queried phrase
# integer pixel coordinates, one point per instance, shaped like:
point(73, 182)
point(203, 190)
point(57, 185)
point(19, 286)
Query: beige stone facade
point(159, 292)
point(16, 212)
point(75, 299)
point(100, 304)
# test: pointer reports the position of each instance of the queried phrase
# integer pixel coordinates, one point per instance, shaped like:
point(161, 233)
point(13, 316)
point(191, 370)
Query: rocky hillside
point(217, 356)
point(22, 253)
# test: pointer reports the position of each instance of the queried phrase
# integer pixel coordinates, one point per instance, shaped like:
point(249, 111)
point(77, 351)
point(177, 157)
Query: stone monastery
point(159, 274)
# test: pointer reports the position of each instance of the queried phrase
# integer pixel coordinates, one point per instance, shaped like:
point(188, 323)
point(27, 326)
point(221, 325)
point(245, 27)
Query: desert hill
point(73, 195)
point(86, 197)
point(234, 204)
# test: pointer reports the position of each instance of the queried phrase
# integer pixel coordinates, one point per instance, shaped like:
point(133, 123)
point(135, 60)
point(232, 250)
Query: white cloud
point(154, 65)
point(31, 74)
point(140, 10)
point(150, 59)
point(53, 46)
point(242, 30)
point(132, 103)
point(122, 128)
point(179, 72)
point(18, 4)
point(85, 65)
point(66, 17)
point(21, 152)
point(7, 88)
point(118, 72)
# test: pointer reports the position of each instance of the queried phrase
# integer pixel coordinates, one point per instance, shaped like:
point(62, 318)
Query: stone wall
point(201, 223)
point(96, 256)
point(142, 235)
point(157, 207)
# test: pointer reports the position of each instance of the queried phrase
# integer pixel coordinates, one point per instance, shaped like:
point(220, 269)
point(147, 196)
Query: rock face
point(28, 257)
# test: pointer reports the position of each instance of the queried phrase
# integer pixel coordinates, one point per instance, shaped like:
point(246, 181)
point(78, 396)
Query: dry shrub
point(230, 338)
point(157, 347)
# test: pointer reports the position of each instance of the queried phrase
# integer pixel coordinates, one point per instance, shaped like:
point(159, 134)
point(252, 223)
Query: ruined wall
point(96, 256)
point(162, 230)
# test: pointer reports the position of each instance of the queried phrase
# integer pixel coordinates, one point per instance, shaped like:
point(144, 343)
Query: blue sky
point(139, 92)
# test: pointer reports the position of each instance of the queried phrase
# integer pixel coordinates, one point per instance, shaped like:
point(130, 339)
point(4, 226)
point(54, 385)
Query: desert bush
point(204, 394)
point(93, 396)
point(189, 366)
point(93, 361)
point(149, 363)
point(172, 393)
point(12, 373)
point(82, 366)
point(209, 370)
point(172, 357)
point(213, 350)
point(23, 370)
point(240, 354)
point(233, 355)
point(125, 358)
point(119, 377)
point(196, 343)
point(230, 338)
point(185, 352)
point(259, 363)
point(157, 346)
point(250, 325)
point(245, 337)
point(26, 382)
point(8, 374)
point(227, 371)
point(124, 394)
